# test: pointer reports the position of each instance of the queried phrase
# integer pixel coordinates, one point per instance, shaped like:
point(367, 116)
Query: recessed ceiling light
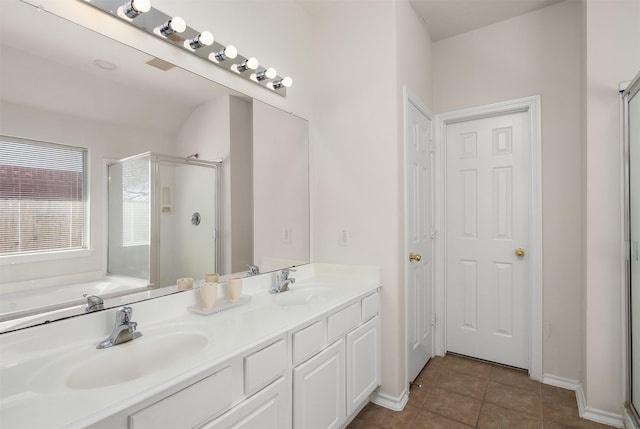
point(105, 65)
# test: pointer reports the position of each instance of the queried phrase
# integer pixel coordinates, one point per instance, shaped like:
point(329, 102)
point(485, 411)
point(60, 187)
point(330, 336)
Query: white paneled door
point(419, 238)
point(488, 205)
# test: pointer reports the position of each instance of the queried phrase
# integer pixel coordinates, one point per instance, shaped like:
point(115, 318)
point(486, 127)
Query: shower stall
point(163, 218)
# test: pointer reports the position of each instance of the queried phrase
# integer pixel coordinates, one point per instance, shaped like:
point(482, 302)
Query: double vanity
point(305, 358)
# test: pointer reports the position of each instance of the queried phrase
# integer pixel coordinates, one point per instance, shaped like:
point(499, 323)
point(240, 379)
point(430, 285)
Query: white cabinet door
point(268, 409)
point(363, 363)
point(319, 390)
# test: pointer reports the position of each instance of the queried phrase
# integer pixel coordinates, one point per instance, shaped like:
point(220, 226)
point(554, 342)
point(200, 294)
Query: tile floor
point(462, 393)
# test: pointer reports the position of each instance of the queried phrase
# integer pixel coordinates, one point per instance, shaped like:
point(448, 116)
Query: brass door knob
point(520, 252)
point(415, 257)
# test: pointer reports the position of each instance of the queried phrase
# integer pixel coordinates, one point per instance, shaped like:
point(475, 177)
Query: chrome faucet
point(123, 331)
point(283, 281)
point(94, 303)
point(254, 270)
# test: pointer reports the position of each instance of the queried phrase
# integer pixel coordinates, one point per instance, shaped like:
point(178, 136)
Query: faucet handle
point(254, 270)
point(94, 303)
point(123, 315)
point(284, 273)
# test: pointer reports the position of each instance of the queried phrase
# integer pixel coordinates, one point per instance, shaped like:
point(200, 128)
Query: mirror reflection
point(162, 218)
point(84, 90)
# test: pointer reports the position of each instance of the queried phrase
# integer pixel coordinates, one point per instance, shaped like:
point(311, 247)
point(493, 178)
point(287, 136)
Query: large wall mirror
point(631, 99)
point(61, 83)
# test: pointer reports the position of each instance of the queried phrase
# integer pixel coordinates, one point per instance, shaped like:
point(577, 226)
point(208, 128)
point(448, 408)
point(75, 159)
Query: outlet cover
point(286, 234)
point(344, 237)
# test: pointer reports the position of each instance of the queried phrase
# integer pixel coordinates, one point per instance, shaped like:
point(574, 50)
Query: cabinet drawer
point(370, 306)
point(264, 366)
point(343, 321)
point(307, 342)
point(268, 409)
point(188, 407)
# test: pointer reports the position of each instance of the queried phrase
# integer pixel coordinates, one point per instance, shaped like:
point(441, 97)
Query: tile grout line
point(484, 395)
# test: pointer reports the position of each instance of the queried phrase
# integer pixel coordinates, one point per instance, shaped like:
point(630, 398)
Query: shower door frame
point(629, 93)
point(154, 254)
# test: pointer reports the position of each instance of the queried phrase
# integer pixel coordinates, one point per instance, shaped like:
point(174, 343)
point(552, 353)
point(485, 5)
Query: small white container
point(208, 294)
point(211, 278)
point(185, 283)
point(234, 289)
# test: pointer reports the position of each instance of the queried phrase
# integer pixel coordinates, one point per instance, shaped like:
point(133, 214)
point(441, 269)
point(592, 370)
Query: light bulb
point(285, 82)
point(174, 25)
point(203, 39)
point(133, 8)
point(269, 73)
point(250, 64)
point(228, 52)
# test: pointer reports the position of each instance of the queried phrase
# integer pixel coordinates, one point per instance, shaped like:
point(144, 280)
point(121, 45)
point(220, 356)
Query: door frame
point(410, 98)
point(530, 105)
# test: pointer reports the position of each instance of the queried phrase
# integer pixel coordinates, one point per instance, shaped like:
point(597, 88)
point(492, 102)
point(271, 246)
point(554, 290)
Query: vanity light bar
point(174, 30)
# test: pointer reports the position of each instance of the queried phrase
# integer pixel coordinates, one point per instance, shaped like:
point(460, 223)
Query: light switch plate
point(344, 237)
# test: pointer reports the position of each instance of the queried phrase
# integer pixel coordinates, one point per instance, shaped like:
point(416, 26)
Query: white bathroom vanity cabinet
point(306, 360)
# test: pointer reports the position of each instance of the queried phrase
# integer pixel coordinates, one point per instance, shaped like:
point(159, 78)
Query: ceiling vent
point(160, 64)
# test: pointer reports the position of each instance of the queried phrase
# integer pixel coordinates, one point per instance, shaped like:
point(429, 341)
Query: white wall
point(414, 57)
point(357, 151)
point(536, 53)
point(355, 155)
point(280, 188)
point(612, 37)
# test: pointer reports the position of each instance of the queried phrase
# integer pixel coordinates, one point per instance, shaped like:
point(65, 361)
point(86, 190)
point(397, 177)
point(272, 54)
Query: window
point(42, 197)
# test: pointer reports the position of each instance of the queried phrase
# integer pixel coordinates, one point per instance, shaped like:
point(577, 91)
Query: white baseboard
point(390, 402)
point(585, 411)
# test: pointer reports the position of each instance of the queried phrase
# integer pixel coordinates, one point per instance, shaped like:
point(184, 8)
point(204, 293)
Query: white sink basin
point(135, 359)
point(91, 368)
point(301, 295)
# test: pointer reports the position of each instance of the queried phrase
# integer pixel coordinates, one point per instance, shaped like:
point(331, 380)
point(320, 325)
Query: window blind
point(42, 196)
point(136, 202)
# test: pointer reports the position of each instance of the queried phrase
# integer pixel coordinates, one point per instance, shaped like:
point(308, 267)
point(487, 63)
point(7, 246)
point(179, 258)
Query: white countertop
point(33, 393)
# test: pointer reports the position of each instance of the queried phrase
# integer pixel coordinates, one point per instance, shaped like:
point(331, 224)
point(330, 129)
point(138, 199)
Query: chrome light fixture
point(133, 8)
point(203, 39)
point(282, 83)
point(269, 73)
point(229, 52)
point(249, 64)
point(174, 30)
point(173, 26)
